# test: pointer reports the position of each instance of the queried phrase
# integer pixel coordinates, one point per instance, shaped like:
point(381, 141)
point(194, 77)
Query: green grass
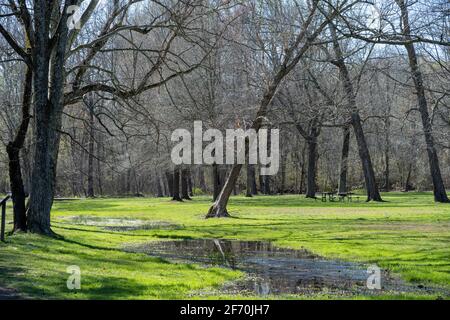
point(409, 234)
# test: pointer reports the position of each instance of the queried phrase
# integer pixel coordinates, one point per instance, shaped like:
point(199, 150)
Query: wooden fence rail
point(3, 222)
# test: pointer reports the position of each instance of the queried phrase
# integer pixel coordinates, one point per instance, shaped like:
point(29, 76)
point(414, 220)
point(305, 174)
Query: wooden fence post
point(2, 232)
point(3, 222)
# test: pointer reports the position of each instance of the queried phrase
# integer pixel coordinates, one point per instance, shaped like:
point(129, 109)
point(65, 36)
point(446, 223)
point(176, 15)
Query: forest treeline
point(359, 90)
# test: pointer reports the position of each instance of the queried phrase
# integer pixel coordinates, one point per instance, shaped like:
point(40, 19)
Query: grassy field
point(409, 235)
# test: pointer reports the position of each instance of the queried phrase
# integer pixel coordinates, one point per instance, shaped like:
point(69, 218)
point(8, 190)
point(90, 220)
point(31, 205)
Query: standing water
point(271, 270)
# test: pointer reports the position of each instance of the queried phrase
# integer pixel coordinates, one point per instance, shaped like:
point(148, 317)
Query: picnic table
point(348, 195)
point(330, 195)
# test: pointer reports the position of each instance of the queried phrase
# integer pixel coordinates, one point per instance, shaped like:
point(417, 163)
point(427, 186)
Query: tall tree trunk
point(169, 178)
point(201, 180)
point(253, 185)
point(302, 171)
point(267, 185)
point(185, 184)
point(343, 188)
point(440, 195)
point(176, 185)
point(311, 175)
point(90, 188)
point(262, 188)
point(44, 170)
point(162, 182)
point(128, 182)
point(248, 193)
point(99, 166)
point(387, 182)
point(13, 149)
point(369, 174)
point(364, 154)
point(216, 181)
point(283, 173)
point(48, 70)
point(159, 190)
point(190, 184)
point(407, 186)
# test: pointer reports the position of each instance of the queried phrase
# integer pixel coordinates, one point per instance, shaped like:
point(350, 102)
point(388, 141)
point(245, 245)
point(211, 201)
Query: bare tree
point(292, 54)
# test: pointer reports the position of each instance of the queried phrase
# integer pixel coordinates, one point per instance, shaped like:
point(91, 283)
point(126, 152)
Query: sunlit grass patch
point(408, 235)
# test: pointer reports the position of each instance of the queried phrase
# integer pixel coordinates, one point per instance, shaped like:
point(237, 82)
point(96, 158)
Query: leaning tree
point(298, 34)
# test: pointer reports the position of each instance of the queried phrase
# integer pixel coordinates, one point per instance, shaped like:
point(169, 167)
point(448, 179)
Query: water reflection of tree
point(227, 253)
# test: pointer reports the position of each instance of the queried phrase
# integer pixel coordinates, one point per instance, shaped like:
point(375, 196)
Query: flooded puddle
point(8, 294)
point(121, 224)
point(270, 269)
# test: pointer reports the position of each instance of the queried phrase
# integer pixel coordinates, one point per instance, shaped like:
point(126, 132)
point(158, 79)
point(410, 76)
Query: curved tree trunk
point(219, 208)
point(13, 149)
point(291, 58)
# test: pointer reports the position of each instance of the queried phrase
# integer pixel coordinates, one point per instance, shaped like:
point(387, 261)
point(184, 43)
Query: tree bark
point(387, 182)
point(185, 185)
point(201, 178)
point(190, 184)
point(159, 190)
point(99, 166)
point(343, 188)
point(249, 182)
point(283, 173)
point(262, 187)
point(302, 172)
point(49, 56)
point(369, 174)
point(407, 186)
point(90, 188)
point(440, 194)
point(267, 185)
point(13, 150)
point(176, 185)
point(364, 154)
point(219, 209)
point(169, 177)
point(216, 181)
point(253, 185)
point(311, 175)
